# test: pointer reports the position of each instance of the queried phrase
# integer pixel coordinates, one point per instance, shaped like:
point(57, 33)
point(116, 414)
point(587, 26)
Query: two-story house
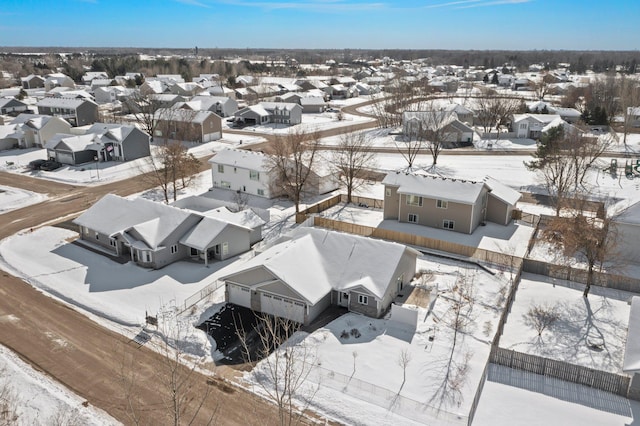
point(270, 112)
point(453, 204)
point(78, 112)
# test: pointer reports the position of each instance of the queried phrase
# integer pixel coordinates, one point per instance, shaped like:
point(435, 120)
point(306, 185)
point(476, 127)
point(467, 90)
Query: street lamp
point(95, 158)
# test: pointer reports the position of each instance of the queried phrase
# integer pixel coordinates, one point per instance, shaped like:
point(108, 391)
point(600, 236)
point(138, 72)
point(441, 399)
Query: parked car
point(50, 165)
point(36, 164)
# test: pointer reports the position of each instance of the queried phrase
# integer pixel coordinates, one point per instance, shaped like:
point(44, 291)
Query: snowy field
point(601, 319)
point(39, 400)
point(514, 397)
point(14, 198)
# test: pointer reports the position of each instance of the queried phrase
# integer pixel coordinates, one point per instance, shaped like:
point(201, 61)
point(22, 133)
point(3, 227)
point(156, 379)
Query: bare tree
point(144, 107)
point(9, 413)
point(283, 366)
point(628, 98)
point(583, 234)
point(541, 317)
point(172, 168)
point(403, 361)
point(291, 161)
point(494, 112)
point(353, 159)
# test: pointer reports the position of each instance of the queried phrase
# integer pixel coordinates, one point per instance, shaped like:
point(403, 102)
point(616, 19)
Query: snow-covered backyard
point(589, 331)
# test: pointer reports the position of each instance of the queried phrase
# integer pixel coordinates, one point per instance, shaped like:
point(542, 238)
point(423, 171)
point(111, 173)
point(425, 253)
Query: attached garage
point(282, 307)
point(239, 295)
point(64, 157)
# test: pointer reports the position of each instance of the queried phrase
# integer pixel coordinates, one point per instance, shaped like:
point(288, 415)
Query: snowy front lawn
point(588, 331)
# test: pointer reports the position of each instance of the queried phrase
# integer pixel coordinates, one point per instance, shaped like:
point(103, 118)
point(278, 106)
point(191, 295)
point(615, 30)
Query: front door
point(343, 299)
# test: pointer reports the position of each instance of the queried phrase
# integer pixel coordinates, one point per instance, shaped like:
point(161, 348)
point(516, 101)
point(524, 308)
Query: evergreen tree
point(494, 79)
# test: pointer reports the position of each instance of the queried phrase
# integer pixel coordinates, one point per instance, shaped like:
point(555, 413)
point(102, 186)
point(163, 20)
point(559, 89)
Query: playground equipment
point(628, 169)
point(613, 167)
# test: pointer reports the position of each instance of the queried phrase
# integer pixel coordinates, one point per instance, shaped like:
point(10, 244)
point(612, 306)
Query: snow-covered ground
point(35, 399)
point(14, 198)
point(601, 320)
point(514, 397)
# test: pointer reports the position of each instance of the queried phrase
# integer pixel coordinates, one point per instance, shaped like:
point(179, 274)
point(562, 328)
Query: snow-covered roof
point(502, 191)
point(631, 363)
point(246, 218)
point(279, 105)
point(203, 235)
point(312, 100)
point(153, 221)
point(335, 261)
point(35, 121)
point(185, 115)
point(250, 160)
point(74, 143)
point(62, 102)
point(433, 119)
point(541, 118)
point(436, 187)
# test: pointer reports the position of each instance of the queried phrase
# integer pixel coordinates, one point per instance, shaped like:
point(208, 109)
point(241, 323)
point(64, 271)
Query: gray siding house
point(78, 112)
point(154, 235)
point(39, 129)
point(271, 112)
point(452, 204)
point(12, 106)
point(310, 269)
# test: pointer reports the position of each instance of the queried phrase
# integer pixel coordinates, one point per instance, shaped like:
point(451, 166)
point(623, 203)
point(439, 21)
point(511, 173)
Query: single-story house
point(452, 129)
point(32, 81)
point(453, 204)
point(100, 142)
point(312, 104)
point(310, 269)
point(187, 125)
point(12, 106)
point(10, 136)
point(89, 76)
point(154, 234)
point(38, 129)
point(78, 112)
point(223, 106)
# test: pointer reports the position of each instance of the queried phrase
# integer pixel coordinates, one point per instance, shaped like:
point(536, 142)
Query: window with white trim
point(413, 218)
point(261, 192)
point(387, 192)
point(448, 224)
point(253, 175)
point(225, 184)
point(220, 168)
point(442, 204)
point(112, 242)
point(174, 249)
point(414, 200)
point(363, 300)
point(225, 248)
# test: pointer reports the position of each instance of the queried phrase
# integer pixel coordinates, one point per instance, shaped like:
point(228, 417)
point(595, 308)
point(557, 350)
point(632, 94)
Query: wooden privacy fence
point(420, 241)
point(601, 279)
point(596, 379)
point(335, 200)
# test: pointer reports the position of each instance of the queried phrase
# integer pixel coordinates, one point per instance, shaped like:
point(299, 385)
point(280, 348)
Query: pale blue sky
point(337, 24)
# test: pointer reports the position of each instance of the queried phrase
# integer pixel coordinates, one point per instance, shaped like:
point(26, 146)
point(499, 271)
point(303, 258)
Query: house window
point(448, 224)
point(261, 192)
point(442, 204)
point(220, 168)
point(112, 242)
point(523, 125)
point(414, 200)
point(253, 175)
point(413, 218)
point(363, 300)
point(97, 236)
point(235, 170)
point(174, 249)
point(387, 192)
point(225, 184)
point(225, 248)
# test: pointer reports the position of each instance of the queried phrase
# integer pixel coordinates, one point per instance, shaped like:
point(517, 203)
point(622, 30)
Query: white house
point(241, 170)
point(530, 126)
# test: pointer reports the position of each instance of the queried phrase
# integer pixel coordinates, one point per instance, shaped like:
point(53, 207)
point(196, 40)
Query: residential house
point(446, 122)
point(186, 89)
point(453, 204)
point(38, 129)
point(253, 173)
point(220, 90)
point(154, 235)
point(627, 228)
point(10, 135)
point(110, 94)
point(246, 171)
point(223, 106)
point(633, 116)
point(12, 106)
point(100, 142)
point(270, 112)
point(362, 274)
point(58, 80)
point(530, 126)
point(32, 81)
point(156, 87)
point(312, 104)
point(78, 112)
point(187, 125)
point(89, 76)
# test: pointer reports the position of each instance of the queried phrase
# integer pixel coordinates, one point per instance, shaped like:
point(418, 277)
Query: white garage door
point(281, 307)
point(64, 157)
point(239, 295)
